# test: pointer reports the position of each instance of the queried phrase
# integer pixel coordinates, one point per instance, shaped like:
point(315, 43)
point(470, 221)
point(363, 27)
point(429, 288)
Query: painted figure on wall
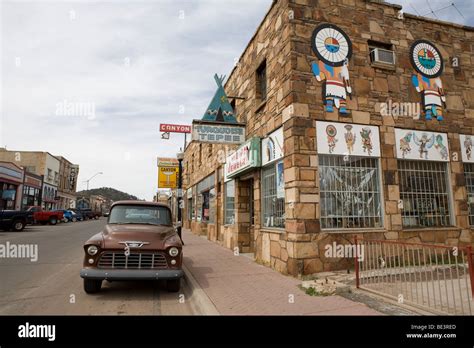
point(468, 146)
point(350, 138)
point(428, 64)
point(331, 132)
point(443, 150)
point(405, 144)
point(334, 49)
point(424, 143)
point(365, 134)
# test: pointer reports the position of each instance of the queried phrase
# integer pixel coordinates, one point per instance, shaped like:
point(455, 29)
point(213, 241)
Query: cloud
point(136, 63)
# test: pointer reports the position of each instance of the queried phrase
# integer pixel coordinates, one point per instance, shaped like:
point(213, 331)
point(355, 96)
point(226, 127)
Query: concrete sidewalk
point(236, 285)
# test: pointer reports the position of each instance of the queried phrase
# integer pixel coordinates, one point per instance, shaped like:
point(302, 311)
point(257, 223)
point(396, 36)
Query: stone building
point(68, 173)
point(39, 163)
point(358, 122)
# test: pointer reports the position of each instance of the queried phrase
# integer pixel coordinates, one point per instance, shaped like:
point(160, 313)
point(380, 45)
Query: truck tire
point(74, 219)
point(53, 220)
point(92, 286)
point(18, 225)
point(173, 285)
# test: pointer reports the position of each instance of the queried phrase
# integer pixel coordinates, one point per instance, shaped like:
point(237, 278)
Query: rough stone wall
point(294, 102)
point(271, 43)
point(366, 20)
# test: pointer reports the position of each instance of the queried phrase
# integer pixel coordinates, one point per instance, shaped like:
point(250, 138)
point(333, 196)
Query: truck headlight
point(92, 250)
point(173, 252)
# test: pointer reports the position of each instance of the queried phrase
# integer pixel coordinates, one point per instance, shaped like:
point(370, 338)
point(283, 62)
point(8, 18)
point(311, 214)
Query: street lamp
point(92, 177)
point(180, 157)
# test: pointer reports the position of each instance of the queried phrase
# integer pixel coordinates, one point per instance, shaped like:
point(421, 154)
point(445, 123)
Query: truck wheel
point(18, 225)
point(53, 220)
point(92, 286)
point(74, 219)
point(173, 285)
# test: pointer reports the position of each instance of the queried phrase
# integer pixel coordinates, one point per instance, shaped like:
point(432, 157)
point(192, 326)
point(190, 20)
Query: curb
point(202, 303)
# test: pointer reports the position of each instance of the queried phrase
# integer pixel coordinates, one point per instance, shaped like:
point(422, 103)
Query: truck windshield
point(133, 214)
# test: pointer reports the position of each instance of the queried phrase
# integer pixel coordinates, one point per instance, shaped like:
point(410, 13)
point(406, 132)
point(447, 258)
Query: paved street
point(47, 286)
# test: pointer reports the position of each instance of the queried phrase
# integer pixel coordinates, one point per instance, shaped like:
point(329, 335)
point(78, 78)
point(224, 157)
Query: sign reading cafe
point(245, 157)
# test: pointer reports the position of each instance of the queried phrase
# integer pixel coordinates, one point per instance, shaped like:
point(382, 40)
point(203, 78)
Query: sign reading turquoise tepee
point(219, 124)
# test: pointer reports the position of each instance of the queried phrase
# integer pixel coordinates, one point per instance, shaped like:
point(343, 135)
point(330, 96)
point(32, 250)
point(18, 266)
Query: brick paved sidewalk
point(239, 286)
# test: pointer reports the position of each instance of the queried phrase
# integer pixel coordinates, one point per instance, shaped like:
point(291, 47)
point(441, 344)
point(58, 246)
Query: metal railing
point(439, 279)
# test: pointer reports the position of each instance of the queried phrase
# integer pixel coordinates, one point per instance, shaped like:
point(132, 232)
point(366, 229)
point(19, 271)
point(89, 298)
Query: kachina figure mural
point(350, 138)
point(424, 143)
point(428, 64)
point(334, 49)
point(331, 132)
point(405, 144)
point(468, 146)
point(365, 134)
point(443, 150)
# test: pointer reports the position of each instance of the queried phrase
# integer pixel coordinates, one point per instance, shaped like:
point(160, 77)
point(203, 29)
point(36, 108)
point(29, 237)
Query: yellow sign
point(168, 177)
point(167, 162)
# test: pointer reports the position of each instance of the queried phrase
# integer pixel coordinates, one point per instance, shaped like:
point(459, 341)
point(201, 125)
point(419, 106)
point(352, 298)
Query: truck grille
point(133, 261)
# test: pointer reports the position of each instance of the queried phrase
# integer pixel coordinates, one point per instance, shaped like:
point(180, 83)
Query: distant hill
point(108, 192)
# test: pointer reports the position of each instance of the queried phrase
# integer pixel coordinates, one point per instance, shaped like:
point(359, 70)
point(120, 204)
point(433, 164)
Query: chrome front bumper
point(130, 274)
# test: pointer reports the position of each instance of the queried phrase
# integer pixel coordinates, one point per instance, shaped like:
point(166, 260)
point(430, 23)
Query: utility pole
point(180, 157)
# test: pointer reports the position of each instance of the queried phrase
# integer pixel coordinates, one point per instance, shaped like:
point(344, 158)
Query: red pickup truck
point(43, 217)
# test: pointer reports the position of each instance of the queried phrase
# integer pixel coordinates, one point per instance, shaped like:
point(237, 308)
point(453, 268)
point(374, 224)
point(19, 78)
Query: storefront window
point(469, 174)
point(190, 209)
point(273, 195)
point(205, 207)
point(30, 196)
point(199, 207)
point(204, 199)
point(424, 192)
point(229, 213)
point(350, 192)
point(212, 205)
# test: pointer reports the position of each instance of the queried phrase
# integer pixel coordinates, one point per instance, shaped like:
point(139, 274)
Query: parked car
point(43, 217)
point(14, 220)
point(70, 216)
point(138, 242)
point(89, 214)
point(79, 215)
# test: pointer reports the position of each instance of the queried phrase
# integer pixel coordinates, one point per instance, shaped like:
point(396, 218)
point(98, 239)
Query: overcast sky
point(124, 67)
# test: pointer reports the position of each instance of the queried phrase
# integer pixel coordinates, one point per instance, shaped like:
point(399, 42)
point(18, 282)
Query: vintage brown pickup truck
point(138, 242)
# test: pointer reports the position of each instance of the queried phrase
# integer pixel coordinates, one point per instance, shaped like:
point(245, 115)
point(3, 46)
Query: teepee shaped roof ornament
point(220, 110)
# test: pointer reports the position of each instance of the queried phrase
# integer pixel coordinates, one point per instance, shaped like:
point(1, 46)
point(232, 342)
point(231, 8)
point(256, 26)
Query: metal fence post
point(470, 264)
point(356, 260)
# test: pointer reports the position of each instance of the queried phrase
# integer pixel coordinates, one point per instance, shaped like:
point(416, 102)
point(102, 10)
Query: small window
point(262, 81)
point(273, 199)
point(381, 53)
point(229, 215)
point(234, 106)
point(209, 150)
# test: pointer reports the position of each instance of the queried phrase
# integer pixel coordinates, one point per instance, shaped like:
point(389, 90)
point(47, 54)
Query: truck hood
point(153, 237)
